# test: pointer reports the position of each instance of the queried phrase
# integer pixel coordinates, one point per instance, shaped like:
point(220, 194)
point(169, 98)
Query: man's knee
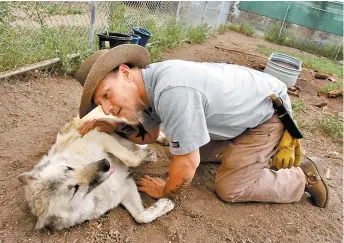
point(226, 193)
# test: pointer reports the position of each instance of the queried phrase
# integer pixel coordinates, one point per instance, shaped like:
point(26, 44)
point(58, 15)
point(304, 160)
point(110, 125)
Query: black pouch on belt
point(285, 117)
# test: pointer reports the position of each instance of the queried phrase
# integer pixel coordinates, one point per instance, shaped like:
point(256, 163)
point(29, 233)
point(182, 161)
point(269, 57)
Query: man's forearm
point(138, 134)
point(182, 171)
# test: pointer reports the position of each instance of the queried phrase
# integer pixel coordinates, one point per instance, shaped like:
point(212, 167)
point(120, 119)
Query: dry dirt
point(33, 111)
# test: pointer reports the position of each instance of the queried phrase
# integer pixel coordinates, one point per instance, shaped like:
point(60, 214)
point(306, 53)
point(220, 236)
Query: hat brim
point(123, 54)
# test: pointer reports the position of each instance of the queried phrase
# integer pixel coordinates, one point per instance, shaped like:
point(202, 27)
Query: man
point(209, 112)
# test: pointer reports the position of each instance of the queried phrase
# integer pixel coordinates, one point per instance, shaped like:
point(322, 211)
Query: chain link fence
point(286, 33)
point(44, 38)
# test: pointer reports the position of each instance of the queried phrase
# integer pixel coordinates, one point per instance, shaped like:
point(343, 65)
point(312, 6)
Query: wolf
point(82, 177)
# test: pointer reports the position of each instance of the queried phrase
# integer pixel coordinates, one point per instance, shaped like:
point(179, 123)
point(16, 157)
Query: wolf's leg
point(124, 150)
point(132, 202)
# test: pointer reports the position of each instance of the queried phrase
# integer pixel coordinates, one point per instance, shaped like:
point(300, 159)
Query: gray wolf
point(81, 178)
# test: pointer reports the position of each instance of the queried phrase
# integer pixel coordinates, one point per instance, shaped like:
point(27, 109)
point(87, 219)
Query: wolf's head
point(58, 192)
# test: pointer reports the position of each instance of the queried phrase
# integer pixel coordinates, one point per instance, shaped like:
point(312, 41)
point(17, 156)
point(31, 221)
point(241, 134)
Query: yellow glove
point(289, 152)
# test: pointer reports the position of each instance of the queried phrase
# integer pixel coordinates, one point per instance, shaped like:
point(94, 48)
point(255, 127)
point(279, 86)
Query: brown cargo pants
point(243, 175)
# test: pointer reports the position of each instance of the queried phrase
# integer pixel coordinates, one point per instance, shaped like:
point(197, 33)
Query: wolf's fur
point(73, 183)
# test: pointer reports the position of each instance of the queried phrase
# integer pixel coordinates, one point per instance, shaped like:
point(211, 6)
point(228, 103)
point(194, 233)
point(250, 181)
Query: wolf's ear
point(25, 177)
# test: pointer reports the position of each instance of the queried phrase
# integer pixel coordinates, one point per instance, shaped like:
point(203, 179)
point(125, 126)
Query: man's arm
point(182, 171)
point(137, 133)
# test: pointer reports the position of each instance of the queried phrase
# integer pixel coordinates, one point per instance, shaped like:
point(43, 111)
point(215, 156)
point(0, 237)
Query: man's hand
point(153, 187)
point(102, 125)
point(182, 170)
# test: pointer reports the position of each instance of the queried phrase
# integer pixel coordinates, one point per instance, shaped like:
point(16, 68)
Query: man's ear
point(125, 71)
point(25, 177)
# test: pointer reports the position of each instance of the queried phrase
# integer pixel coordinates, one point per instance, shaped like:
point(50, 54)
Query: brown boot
point(315, 185)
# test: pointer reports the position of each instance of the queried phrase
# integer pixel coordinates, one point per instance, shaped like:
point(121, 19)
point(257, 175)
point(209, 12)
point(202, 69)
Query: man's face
point(118, 95)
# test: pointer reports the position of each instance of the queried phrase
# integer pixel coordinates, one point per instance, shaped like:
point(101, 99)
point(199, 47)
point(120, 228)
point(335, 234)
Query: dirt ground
point(33, 111)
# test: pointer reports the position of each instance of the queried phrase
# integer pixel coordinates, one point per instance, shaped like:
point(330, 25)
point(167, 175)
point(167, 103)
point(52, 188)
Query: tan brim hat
point(94, 69)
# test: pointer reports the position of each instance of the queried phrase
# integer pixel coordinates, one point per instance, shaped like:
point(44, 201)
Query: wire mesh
point(32, 32)
point(290, 34)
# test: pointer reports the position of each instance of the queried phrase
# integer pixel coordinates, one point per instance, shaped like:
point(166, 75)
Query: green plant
point(317, 63)
point(245, 29)
point(297, 41)
point(117, 17)
point(328, 87)
point(332, 126)
point(48, 43)
point(222, 28)
point(297, 105)
point(198, 34)
point(272, 33)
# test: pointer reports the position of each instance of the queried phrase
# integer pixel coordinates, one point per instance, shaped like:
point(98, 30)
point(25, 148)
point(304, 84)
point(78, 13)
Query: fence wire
point(285, 33)
point(62, 33)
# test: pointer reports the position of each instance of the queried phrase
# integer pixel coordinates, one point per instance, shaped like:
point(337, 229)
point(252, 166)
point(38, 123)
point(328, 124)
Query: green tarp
point(323, 16)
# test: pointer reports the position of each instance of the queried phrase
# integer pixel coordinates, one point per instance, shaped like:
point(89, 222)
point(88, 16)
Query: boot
point(315, 181)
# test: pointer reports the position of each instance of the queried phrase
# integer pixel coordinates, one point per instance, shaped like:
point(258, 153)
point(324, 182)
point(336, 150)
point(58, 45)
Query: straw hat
point(96, 67)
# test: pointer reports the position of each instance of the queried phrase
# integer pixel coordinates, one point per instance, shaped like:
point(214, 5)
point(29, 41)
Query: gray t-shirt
point(196, 102)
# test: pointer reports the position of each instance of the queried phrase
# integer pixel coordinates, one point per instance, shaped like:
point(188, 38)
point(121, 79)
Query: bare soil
point(32, 112)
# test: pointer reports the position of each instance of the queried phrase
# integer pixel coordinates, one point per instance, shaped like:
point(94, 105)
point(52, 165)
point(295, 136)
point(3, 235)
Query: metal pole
point(340, 47)
point(178, 10)
point(93, 20)
point(204, 11)
point(285, 16)
point(218, 15)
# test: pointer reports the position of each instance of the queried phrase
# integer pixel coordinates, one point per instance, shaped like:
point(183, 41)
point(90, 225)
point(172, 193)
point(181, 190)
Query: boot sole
point(320, 169)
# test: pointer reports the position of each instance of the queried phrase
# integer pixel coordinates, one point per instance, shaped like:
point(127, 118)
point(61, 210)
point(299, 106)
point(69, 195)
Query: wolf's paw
point(162, 139)
point(165, 205)
point(151, 156)
point(161, 207)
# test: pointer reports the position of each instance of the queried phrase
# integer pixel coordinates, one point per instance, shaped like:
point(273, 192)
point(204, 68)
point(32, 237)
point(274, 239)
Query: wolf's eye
point(70, 168)
point(75, 188)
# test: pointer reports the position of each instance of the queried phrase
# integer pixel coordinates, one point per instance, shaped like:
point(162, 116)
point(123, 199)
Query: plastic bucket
point(285, 68)
point(136, 39)
point(113, 39)
point(145, 35)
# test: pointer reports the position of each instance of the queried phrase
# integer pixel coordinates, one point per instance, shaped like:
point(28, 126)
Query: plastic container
point(136, 39)
point(285, 68)
point(113, 39)
point(145, 35)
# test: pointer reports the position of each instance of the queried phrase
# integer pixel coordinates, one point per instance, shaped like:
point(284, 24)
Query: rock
point(327, 175)
point(332, 79)
point(320, 75)
point(296, 93)
point(321, 104)
point(335, 93)
point(298, 87)
point(293, 89)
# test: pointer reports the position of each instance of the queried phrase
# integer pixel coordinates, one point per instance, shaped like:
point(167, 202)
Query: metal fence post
point(340, 47)
point(178, 10)
point(93, 20)
point(204, 11)
point(285, 16)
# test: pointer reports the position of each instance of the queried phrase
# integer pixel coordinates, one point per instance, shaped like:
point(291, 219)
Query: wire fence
point(55, 36)
point(284, 31)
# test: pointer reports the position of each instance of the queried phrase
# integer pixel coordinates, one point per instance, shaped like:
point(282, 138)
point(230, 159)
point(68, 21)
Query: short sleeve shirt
point(196, 102)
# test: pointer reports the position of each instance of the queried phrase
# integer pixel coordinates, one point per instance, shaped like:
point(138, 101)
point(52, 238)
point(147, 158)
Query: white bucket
point(285, 68)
